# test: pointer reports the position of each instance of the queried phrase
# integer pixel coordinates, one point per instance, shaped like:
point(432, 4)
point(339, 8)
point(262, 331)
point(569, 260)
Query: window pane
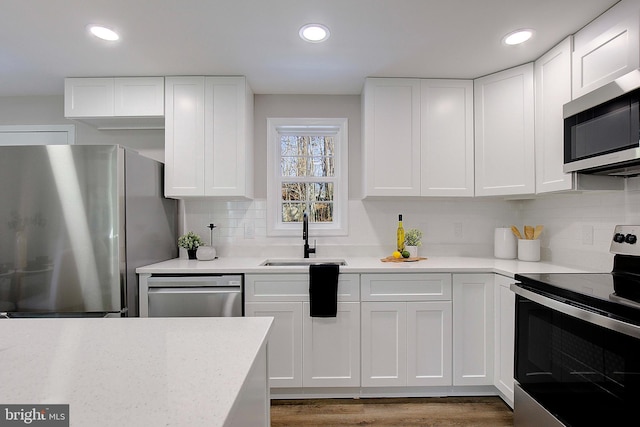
point(322, 166)
point(289, 145)
point(292, 212)
point(321, 191)
point(294, 166)
point(294, 191)
point(321, 212)
point(321, 146)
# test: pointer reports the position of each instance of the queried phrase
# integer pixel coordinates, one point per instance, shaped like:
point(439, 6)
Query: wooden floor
point(433, 411)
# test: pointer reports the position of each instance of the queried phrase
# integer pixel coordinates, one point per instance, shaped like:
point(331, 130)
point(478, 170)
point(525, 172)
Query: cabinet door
point(228, 137)
point(607, 48)
point(505, 305)
point(184, 136)
point(553, 90)
point(88, 97)
point(384, 344)
point(285, 340)
point(504, 122)
point(473, 329)
point(446, 111)
point(139, 96)
point(331, 347)
point(391, 137)
point(429, 345)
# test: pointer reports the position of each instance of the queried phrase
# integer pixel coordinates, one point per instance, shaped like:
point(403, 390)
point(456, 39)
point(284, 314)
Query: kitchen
point(578, 226)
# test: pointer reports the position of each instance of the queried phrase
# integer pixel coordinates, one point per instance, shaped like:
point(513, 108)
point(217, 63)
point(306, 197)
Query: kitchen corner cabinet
point(473, 329)
point(307, 351)
point(116, 103)
point(504, 133)
point(418, 137)
point(208, 137)
point(505, 309)
point(406, 330)
point(552, 91)
point(606, 48)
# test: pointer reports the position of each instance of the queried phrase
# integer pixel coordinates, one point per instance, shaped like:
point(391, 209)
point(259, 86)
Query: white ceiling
point(43, 41)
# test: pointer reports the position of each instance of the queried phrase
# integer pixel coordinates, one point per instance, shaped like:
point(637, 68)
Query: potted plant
point(413, 239)
point(190, 241)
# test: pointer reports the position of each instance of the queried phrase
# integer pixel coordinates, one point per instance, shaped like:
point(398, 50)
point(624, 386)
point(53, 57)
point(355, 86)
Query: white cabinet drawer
point(295, 287)
point(406, 287)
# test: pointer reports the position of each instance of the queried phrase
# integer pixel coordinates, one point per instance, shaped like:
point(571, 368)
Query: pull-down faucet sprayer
point(305, 237)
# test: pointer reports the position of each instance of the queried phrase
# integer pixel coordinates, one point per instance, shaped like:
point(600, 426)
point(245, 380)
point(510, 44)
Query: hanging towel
point(323, 289)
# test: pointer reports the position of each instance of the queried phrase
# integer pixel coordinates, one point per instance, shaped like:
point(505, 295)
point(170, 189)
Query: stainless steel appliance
point(578, 342)
point(601, 129)
point(75, 223)
point(195, 296)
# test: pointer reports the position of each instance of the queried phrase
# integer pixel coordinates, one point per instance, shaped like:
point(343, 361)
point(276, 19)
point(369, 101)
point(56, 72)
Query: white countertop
point(130, 371)
point(360, 265)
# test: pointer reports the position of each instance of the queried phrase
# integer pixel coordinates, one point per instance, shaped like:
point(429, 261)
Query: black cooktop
point(615, 295)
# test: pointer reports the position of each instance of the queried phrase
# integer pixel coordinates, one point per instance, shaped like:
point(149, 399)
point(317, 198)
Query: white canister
point(206, 253)
point(504, 244)
point(529, 250)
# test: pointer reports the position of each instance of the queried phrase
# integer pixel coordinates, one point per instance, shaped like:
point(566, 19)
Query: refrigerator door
point(61, 229)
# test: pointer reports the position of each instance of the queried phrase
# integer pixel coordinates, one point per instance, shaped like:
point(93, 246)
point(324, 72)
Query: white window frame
point(339, 226)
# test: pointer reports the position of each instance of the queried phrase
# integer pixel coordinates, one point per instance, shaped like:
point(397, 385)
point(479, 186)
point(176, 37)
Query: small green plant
point(413, 237)
point(190, 241)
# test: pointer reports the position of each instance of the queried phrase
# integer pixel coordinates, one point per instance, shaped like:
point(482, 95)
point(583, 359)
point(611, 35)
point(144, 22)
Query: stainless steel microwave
point(602, 129)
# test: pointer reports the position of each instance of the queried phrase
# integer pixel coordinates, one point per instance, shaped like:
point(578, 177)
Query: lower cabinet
point(406, 339)
point(307, 351)
point(473, 323)
point(505, 304)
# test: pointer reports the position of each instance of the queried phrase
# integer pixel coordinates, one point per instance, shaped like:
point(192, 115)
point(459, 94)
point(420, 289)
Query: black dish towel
point(323, 289)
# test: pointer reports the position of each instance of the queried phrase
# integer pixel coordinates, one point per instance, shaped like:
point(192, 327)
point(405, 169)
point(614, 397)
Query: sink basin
point(301, 262)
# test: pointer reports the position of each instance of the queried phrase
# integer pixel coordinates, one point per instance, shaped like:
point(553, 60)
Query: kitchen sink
point(301, 262)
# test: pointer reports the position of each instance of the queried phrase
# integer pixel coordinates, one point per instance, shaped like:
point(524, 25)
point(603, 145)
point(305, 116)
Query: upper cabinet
point(607, 48)
point(504, 140)
point(418, 137)
point(116, 103)
point(208, 137)
point(391, 135)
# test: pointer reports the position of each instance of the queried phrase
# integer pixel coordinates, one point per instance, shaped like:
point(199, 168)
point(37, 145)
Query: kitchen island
point(139, 371)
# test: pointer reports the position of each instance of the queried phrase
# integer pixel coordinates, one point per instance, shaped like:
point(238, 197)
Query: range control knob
point(618, 238)
point(631, 239)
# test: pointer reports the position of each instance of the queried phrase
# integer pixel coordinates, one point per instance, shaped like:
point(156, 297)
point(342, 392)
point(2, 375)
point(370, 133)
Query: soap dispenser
point(207, 253)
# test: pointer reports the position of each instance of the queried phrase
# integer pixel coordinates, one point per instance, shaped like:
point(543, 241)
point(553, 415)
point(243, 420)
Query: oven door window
point(582, 373)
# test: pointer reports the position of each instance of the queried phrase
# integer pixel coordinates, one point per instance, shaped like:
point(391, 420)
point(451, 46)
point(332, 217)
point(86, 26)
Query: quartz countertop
point(230, 265)
point(130, 371)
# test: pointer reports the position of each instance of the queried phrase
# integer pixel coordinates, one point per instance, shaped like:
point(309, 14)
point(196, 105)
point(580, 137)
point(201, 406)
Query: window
point(307, 174)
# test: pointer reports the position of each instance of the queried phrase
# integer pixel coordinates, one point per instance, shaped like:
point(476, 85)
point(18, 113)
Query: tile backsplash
point(577, 232)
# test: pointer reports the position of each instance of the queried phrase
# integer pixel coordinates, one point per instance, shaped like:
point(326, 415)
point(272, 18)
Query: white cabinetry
point(504, 139)
point(607, 48)
point(307, 351)
point(208, 137)
point(116, 103)
point(446, 137)
point(553, 90)
point(391, 135)
point(406, 330)
point(418, 137)
point(473, 326)
point(505, 307)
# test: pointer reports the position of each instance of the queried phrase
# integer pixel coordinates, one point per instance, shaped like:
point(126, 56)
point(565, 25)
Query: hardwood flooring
point(423, 412)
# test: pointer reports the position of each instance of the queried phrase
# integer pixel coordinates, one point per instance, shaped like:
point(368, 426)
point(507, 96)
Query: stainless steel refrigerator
point(75, 223)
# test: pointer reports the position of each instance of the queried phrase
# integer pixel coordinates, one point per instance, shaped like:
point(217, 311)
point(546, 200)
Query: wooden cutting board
point(410, 259)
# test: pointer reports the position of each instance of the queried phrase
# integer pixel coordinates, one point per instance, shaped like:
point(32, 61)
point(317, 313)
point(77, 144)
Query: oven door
point(580, 372)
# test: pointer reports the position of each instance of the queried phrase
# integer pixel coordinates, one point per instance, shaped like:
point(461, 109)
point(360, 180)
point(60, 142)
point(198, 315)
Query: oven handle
point(197, 290)
point(579, 313)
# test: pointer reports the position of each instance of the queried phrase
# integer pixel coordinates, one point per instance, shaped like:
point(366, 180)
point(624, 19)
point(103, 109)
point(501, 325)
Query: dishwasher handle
point(196, 290)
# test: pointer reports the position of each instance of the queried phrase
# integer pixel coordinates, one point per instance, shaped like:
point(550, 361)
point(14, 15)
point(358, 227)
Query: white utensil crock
point(504, 243)
point(529, 250)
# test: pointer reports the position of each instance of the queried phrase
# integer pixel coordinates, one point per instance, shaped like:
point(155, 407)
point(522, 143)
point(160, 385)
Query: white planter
point(413, 251)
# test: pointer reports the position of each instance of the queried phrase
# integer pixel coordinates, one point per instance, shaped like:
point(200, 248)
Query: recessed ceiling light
point(517, 37)
point(103, 33)
point(314, 33)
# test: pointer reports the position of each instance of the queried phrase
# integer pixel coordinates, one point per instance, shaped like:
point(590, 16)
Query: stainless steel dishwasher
point(196, 296)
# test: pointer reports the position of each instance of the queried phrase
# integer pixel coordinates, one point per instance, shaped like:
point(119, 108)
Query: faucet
point(305, 237)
